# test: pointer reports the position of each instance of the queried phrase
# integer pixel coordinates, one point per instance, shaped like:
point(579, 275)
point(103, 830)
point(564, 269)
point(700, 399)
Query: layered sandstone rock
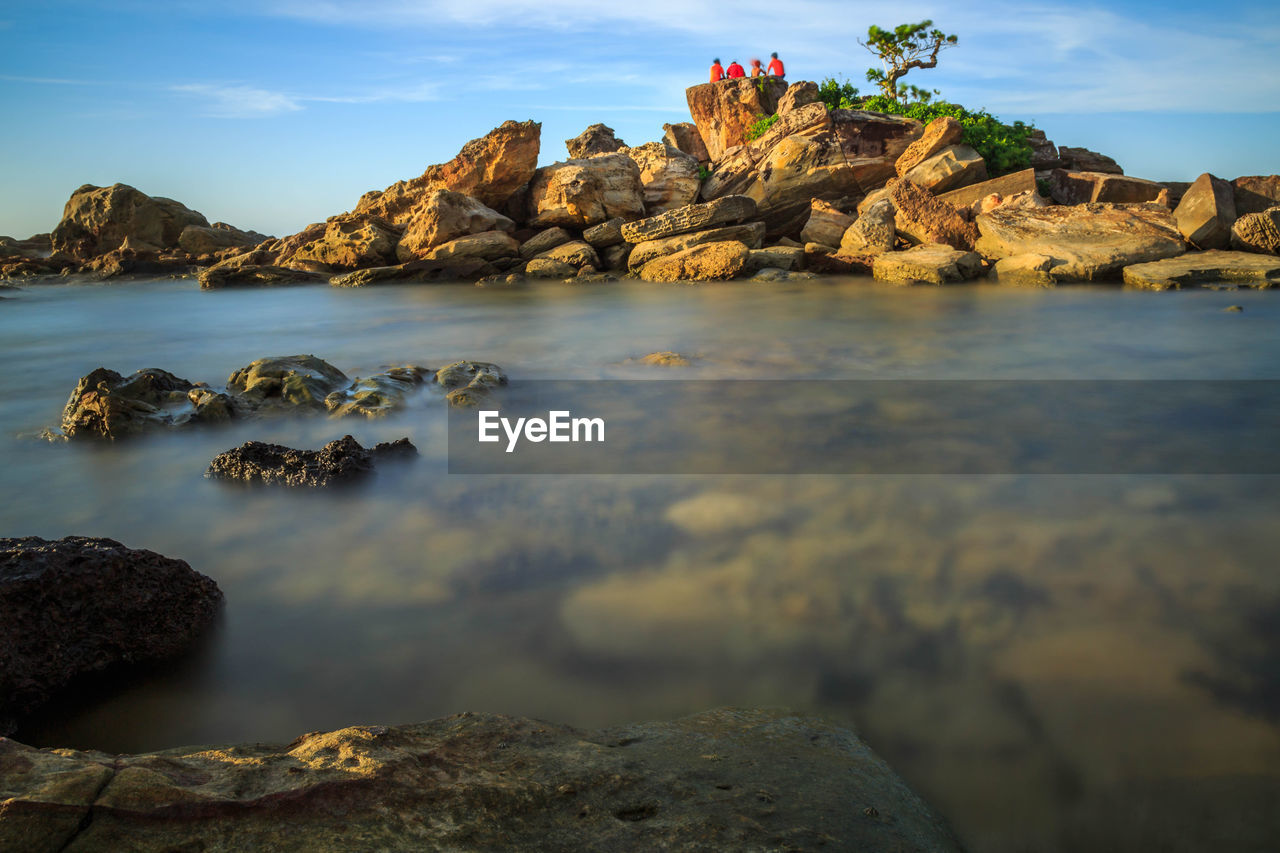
point(724, 111)
point(97, 220)
point(452, 270)
point(704, 262)
point(485, 246)
point(669, 177)
point(1206, 213)
point(1257, 232)
point(1084, 160)
point(1005, 186)
point(1241, 268)
point(1083, 187)
point(826, 224)
point(940, 133)
point(693, 217)
point(750, 234)
point(443, 216)
point(544, 241)
point(922, 218)
point(581, 193)
point(950, 168)
point(596, 139)
point(929, 263)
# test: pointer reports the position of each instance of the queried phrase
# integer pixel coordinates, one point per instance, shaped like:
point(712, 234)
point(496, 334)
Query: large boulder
point(826, 224)
point(340, 462)
point(74, 606)
point(692, 217)
point(929, 263)
point(1256, 193)
point(452, 270)
point(485, 246)
point(1083, 187)
point(443, 216)
point(107, 405)
point(1206, 213)
point(730, 779)
point(286, 383)
point(942, 132)
point(378, 395)
point(345, 242)
point(1005, 186)
point(798, 95)
point(873, 232)
point(952, 167)
point(669, 176)
point(750, 234)
point(922, 218)
point(97, 220)
point(725, 110)
point(1241, 268)
point(684, 136)
point(581, 193)
point(1257, 232)
point(704, 262)
point(490, 169)
point(596, 139)
point(1044, 154)
point(1088, 242)
point(1084, 160)
point(201, 240)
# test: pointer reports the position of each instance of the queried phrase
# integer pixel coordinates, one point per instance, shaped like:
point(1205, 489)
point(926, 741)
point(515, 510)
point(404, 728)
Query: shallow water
point(1055, 662)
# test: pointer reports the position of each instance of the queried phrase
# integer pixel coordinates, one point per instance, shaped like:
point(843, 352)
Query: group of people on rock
point(719, 72)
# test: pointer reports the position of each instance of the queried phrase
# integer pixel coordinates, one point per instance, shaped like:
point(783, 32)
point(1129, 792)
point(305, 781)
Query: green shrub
point(1003, 146)
point(703, 173)
point(838, 94)
point(761, 126)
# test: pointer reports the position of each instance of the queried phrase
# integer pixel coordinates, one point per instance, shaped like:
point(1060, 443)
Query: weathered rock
point(826, 224)
point(1088, 242)
point(443, 216)
point(487, 246)
point(469, 383)
point(952, 167)
point(580, 193)
point(378, 395)
point(668, 175)
point(685, 136)
point(489, 169)
point(616, 257)
point(596, 139)
point(201, 240)
point(450, 270)
point(751, 234)
point(665, 358)
point(724, 111)
point(577, 254)
point(921, 218)
point(730, 779)
point(823, 260)
point(1044, 154)
point(704, 262)
point(798, 95)
point(943, 132)
point(1256, 193)
point(1006, 185)
point(74, 606)
point(1084, 160)
point(874, 136)
point(786, 258)
point(605, 234)
point(224, 274)
point(549, 268)
point(1240, 268)
point(1257, 232)
point(96, 220)
point(1207, 212)
point(286, 383)
point(1084, 187)
point(35, 246)
point(134, 258)
point(345, 242)
point(544, 241)
point(931, 263)
point(873, 232)
point(1024, 271)
point(340, 462)
point(105, 404)
point(23, 266)
point(692, 217)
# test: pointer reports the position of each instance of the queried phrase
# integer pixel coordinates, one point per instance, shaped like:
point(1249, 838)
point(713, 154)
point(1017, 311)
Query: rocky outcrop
point(200, 240)
point(1214, 267)
point(693, 217)
point(234, 272)
point(731, 779)
point(452, 270)
point(750, 234)
point(685, 137)
point(930, 263)
point(921, 218)
point(340, 462)
point(943, 132)
point(544, 241)
point(485, 246)
point(1083, 187)
point(826, 224)
point(469, 383)
point(798, 95)
point(1256, 193)
point(345, 242)
point(669, 177)
point(724, 111)
point(107, 405)
point(1084, 160)
point(1004, 186)
point(489, 169)
point(1028, 270)
point(378, 395)
point(596, 139)
point(953, 167)
point(581, 193)
point(1257, 232)
point(443, 216)
point(97, 220)
point(74, 606)
point(286, 383)
point(1044, 154)
point(873, 232)
point(1088, 242)
point(784, 258)
point(704, 262)
point(1206, 213)
point(605, 234)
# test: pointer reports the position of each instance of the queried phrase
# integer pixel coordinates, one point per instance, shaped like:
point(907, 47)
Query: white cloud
point(240, 101)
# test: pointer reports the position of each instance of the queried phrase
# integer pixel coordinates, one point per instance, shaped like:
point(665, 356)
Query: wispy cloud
point(49, 81)
point(239, 101)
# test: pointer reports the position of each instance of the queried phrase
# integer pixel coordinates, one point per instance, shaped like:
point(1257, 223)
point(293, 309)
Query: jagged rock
point(1256, 193)
point(596, 139)
point(1024, 271)
point(490, 169)
point(77, 605)
point(286, 383)
point(21, 266)
point(798, 95)
point(826, 224)
point(544, 241)
point(873, 232)
point(1083, 187)
point(1088, 242)
point(443, 216)
point(724, 111)
point(378, 395)
point(685, 137)
point(692, 217)
point(1006, 186)
point(668, 175)
point(487, 246)
point(704, 262)
point(576, 254)
point(105, 404)
point(35, 246)
point(952, 167)
point(340, 462)
point(1084, 160)
point(96, 220)
point(580, 193)
point(930, 263)
point(201, 240)
point(229, 274)
point(921, 218)
point(450, 270)
point(605, 234)
point(1241, 268)
point(786, 258)
point(133, 258)
point(344, 242)
point(1206, 213)
point(469, 383)
point(1044, 154)
point(549, 268)
point(943, 132)
point(1257, 232)
point(751, 234)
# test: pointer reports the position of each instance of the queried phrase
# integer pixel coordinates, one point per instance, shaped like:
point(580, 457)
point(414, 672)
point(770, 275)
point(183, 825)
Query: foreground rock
point(690, 218)
point(930, 263)
point(720, 780)
point(705, 262)
point(582, 193)
point(97, 220)
point(1213, 267)
point(454, 270)
point(751, 234)
point(286, 383)
point(724, 111)
point(1257, 232)
point(78, 605)
point(107, 405)
point(922, 218)
point(1087, 242)
point(340, 462)
point(1206, 213)
point(1084, 187)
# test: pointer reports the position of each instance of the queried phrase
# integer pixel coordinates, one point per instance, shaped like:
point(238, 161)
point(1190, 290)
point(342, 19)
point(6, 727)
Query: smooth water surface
point(1055, 662)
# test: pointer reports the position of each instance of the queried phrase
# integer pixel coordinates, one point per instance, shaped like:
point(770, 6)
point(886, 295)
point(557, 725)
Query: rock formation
point(596, 139)
point(724, 111)
point(340, 462)
point(97, 220)
point(581, 193)
point(1206, 213)
point(1257, 232)
point(928, 263)
point(443, 216)
point(703, 262)
point(1239, 268)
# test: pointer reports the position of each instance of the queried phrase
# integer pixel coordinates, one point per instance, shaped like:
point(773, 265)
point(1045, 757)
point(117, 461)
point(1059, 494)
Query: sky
point(277, 113)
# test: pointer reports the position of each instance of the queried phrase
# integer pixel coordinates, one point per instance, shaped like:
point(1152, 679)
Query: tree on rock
point(901, 49)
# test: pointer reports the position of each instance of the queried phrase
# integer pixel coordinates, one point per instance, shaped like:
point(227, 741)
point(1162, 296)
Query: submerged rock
point(377, 395)
point(1242, 268)
point(288, 382)
point(469, 383)
point(79, 605)
point(340, 462)
point(729, 779)
point(105, 404)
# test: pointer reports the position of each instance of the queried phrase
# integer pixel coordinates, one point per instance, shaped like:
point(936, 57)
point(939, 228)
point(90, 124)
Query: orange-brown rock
point(1101, 187)
point(921, 218)
point(581, 193)
point(685, 136)
point(97, 220)
point(826, 224)
point(725, 110)
point(443, 216)
point(798, 94)
point(669, 177)
point(1206, 213)
point(1256, 193)
point(1005, 185)
point(596, 139)
point(345, 242)
point(938, 134)
point(704, 262)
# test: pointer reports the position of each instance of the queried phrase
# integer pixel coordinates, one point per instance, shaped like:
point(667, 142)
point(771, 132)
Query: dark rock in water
point(250, 275)
point(79, 605)
point(338, 462)
point(286, 383)
point(107, 405)
point(721, 780)
point(451, 270)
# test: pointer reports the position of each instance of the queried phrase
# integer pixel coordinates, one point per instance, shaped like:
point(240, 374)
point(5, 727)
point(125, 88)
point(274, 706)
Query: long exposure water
point(1055, 662)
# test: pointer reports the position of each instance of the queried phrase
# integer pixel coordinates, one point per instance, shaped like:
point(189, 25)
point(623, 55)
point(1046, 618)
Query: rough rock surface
point(96, 220)
point(486, 246)
point(452, 270)
point(490, 169)
point(952, 167)
point(1044, 154)
point(549, 268)
point(668, 175)
point(340, 462)
point(77, 605)
point(469, 383)
point(931, 263)
point(443, 216)
point(750, 234)
point(826, 224)
point(544, 241)
point(724, 111)
point(785, 258)
point(921, 218)
point(378, 395)
point(605, 234)
point(940, 133)
point(1084, 187)
point(1024, 271)
point(286, 383)
point(577, 254)
point(201, 240)
point(596, 139)
point(1206, 212)
point(1241, 268)
point(1084, 160)
point(1256, 193)
point(345, 242)
point(1006, 186)
point(798, 95)
point(1088, 242)
point(105, 404)
point(685, 136)
point(704, 262)
point(693, 217)
point(581, 193)
point(1257, 232)
point(873, 232)
point(730, 779)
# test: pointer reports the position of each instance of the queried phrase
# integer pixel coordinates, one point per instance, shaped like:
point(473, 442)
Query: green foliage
point(901, 49)
point(703, 173)
point(1003, 146)
point(761, 126)
point(1044, 188)
point(838, 94)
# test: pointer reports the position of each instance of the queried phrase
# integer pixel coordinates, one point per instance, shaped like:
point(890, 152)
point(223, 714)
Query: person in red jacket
point(775, 67)
point(717, 71)
point(734, 70)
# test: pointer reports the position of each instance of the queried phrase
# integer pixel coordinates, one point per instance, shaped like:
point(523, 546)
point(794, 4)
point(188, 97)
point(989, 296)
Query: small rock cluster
point(340, 462)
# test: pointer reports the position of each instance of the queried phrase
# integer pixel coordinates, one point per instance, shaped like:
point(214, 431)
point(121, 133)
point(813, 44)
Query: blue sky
point(277, 113)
